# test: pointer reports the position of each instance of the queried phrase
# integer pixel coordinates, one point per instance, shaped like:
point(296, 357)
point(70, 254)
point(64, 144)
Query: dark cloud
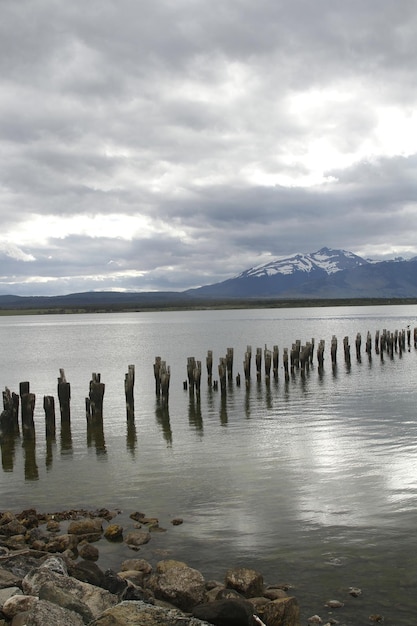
point(159, 145)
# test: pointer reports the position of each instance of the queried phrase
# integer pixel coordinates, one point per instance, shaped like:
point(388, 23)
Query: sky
point(159, 145)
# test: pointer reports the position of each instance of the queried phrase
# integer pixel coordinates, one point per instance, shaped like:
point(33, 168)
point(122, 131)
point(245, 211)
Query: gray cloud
point(161, 145)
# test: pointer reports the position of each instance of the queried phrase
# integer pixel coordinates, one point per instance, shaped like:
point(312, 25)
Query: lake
point(312, 481)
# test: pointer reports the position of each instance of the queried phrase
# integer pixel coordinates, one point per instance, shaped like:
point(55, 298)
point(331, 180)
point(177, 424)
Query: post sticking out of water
point(333, 350)
point(358, 343)
point(9, 419)
point(222, 374)
point(64, 396)
point(268, 363)
point(50, 423)
point(165, 380)
point(27, 401)
point(209, 365)
point(275, 357)
point(229, 363)
point(95, 397)
point(258, 361)
point(346, 348)
point(129, 385)
point(285, 362)
point(157, 374)
point(246, 364)
point(320, 354)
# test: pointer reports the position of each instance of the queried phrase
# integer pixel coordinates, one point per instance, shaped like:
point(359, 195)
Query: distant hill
point(323, 275)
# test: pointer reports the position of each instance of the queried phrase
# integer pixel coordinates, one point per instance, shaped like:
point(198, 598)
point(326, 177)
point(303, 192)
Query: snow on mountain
point(325, 260)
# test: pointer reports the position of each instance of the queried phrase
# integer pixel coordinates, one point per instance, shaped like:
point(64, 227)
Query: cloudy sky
point(165, 144)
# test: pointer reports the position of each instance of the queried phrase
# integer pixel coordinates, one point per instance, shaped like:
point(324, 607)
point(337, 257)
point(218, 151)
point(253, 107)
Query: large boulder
point(134, 613)
point(228, 612)
point(96, 598)
point(43, 613)
point(248, 582)
point(282, 612)
point(175, 582)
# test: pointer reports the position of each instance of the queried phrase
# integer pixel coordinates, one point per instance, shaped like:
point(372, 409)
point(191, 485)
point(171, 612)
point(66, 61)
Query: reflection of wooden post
point(64, 396)
point(129, 385)
point(49, 408)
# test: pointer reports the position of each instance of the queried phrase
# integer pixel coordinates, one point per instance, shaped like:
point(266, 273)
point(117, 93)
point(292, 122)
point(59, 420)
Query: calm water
point(313, 482)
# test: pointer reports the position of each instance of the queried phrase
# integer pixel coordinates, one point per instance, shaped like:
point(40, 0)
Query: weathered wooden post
point(258, 361)
point(285, 363)
point(27, 401)
point(9, 419)
point(268, 363)
point(197, 376)
point(130, 399)
point(377, 341)
point(222, 374)
point(165, 380)
point(95, 396)
point(229, 363)
point(49, 408)
point(368, 344)
point(275, 358)
point(320, 353)
point(209, 365)
point(304, 358)
point(358, 343)
point(333, 349)
point(312, 350)
point(346, 348)
point(157, 375)
point(297, 350)
point(246, 364)
point(415, 336)
point(190, 372)
point(64, 396)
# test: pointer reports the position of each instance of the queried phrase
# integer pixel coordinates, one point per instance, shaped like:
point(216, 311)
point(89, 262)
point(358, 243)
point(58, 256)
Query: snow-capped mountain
point(285, 277)
point(326, 259)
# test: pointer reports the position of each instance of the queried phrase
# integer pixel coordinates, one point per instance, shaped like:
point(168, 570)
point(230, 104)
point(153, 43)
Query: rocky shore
point(48, 576)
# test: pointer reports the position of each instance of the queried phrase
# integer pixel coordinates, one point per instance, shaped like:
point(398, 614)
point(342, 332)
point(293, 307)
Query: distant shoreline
point(201, 305)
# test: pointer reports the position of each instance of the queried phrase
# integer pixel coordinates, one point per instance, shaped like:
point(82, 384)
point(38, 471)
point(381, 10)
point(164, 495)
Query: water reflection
point(29, 452)
point(8, 451)
point(95, 436)
point(195, 418)
point(131, 436)
point(66, 438)
point(162, 418)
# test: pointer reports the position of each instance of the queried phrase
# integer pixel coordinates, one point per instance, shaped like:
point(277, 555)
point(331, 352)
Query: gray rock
point(18, 604)
point(137, 538)
point(44, 612)
point(66, 600)
point(178, 584)
point(8, 592)
point(8, 579)
point(140, 614)
point(228, 612)
point(247, 582)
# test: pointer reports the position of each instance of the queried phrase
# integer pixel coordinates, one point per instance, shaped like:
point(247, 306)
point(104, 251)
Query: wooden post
point(275, 358)
point(165, 380)
point(285, 363)
point(333, 349)
point(197, 376)
point(268, 362)
point(28, 407)
point(229, 363)
point(190, 372)
point(129, 385)
point(312, 350)
point(209, 365)
point(358, 343)
point(346, 348)
point(157, 374)
point(320, 353)
point(49, 408)
point(64, 396)
point(96, 395)
point(258, 361)
point(246, 364)
point(377, 342)
point(369, 344)
point(9, 419)
point(222, 374)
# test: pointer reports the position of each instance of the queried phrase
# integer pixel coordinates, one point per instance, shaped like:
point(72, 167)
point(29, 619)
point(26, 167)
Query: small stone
point(114, 532)
point(375, 617)
point(334, 604)
point(355, 592)
point(177, 521)
point(315, 619)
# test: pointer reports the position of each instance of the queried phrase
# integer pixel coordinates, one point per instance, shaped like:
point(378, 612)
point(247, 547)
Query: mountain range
point(327, 274)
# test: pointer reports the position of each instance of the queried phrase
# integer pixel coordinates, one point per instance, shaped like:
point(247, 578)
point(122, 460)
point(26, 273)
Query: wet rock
point(246, 581)
point(87, 551)
point(178, 584)
point(12, 528)
point(114, 532)
point(60, 543)
point(133, 576)
point(87, 572)
point(334, 604)
point(142, 614)
point(228, 612)
point(282, 612)
point(139, 565)
point(137, 538)
point(177, 521)
point(86, 527)
point(113, 582)
point(8, 579)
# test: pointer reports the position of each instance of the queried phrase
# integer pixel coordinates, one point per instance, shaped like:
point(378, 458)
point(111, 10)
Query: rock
point(179, 584)
point(228, 612)
point(86, 527)
point(96, 598)
point(275, 594)
point(355, 592)
point(334, 604)
point(60, 543)
point(8, 592)
point(44, 612)
point(133, 576)
point(314, 619)
point(21, 563)
point(113, 582)
point(282, 612)
point(53, 525)
point(137, 538)
point(18, 603)
point(247, 582)
point(87, 551)
point(177, 521)
point(137, 613)
point(8, 579)
point(87, 572)
point(14, 527)
point(114, 532)
point(66, 600)
point(139, 565)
